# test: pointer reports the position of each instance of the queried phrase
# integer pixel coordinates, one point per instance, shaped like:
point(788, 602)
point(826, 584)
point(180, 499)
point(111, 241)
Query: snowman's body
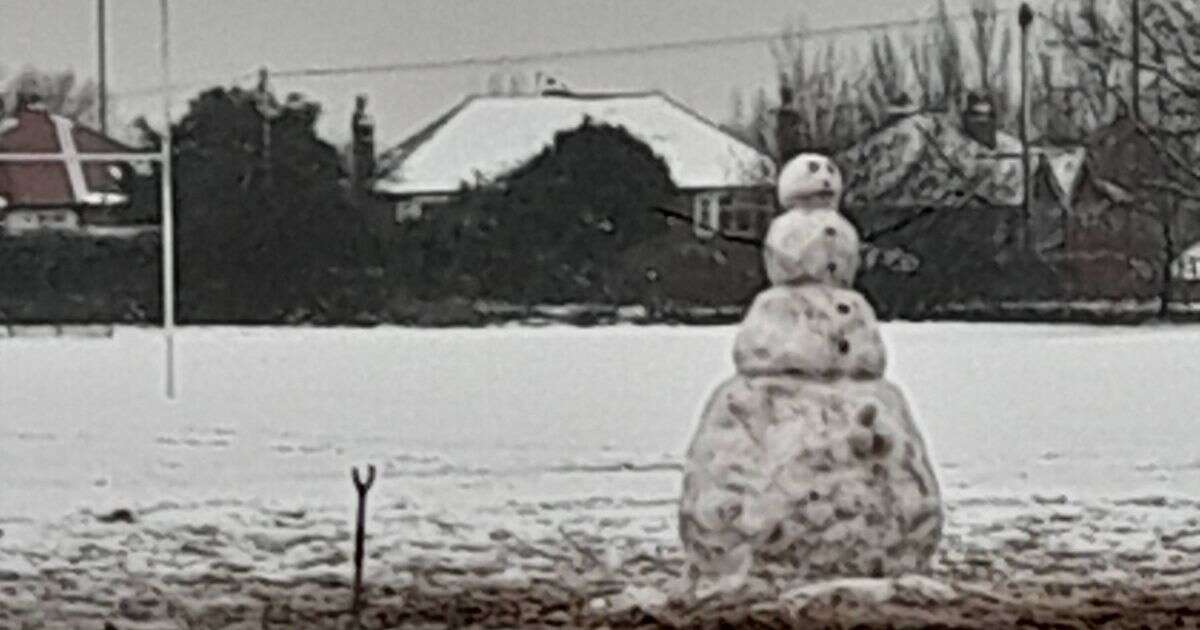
point(807, 464)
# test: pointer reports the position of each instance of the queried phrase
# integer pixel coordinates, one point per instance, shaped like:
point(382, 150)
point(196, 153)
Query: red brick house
point(55, 190)
point(1117, 218)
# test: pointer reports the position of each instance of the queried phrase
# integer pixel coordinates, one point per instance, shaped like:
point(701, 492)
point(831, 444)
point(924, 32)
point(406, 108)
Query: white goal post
point(163, 157)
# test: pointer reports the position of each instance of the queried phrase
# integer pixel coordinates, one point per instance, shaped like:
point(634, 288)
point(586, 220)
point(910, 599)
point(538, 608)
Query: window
point(729, 213)
point(408, 210)
point(743, 221)
point(706, 211)
point(727, 218)
point(1191, 267)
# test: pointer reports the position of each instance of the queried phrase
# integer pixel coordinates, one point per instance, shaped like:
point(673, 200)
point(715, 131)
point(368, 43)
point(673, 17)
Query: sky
point(223, 42)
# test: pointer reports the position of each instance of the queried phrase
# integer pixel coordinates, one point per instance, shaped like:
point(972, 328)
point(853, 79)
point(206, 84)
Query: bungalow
point(939, 197)
point(923, 162)
point(724, 183)
point(1117, 215)
point(54, 190)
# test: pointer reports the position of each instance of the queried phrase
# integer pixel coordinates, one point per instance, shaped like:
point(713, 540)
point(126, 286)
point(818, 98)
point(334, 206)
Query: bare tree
point(60, 92)
point(993, 47)
point(1098, 39)
point(839, 98)
point(828, 87)
point(1091, 38)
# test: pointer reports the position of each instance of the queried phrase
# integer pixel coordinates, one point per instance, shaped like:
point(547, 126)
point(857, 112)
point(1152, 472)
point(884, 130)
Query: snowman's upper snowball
point(818, 246)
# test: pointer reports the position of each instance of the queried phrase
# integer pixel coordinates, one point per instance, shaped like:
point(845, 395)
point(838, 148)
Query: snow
point(1065, 167)
point(535, 456)
point(478, 418)
point(698, 154)
point(104, 198)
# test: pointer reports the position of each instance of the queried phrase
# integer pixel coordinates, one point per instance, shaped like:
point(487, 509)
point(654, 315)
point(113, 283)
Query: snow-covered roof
point(1067, 166)
point(928, 159)
point(485, 137)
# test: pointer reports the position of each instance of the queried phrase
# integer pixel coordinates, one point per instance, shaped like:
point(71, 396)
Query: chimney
point(362, 156)
point(979, 119)
point(29, 101)
point(547, 85)
point(901, 107)
point(787, 123)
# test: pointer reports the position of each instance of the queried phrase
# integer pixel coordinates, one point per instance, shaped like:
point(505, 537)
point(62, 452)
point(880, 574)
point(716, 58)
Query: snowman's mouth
point(820, 196)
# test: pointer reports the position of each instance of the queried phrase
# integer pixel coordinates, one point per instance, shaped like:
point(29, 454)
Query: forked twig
point(360, 530)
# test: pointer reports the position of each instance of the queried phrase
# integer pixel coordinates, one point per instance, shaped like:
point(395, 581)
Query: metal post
point(168, 207)
point(1137, 61)
point(101, 19)
point(1024, 18)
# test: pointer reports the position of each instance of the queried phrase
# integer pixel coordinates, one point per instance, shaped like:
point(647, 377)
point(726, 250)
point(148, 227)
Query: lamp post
point(168, 201)
point(1024, 19)
point(1137, 61)
point(102, 61)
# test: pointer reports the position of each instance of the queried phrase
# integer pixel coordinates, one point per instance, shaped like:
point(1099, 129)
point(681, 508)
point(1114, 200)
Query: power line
point(575, 54)
point(615, 51)
point(188, 85)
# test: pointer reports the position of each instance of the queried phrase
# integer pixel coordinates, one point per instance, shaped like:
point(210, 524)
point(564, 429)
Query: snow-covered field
point(525, 432)
point(282, 414)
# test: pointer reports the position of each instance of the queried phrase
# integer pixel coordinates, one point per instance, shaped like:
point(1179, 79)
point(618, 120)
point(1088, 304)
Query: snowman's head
point(809, 181)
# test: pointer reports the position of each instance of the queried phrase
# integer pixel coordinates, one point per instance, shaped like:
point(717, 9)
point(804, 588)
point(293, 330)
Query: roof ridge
point(581, 96)
point(392, 160)
point(710, 123)
point(414, 141)
point(71, 126)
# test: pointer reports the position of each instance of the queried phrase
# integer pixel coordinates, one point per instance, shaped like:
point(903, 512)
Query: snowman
point(807, 464)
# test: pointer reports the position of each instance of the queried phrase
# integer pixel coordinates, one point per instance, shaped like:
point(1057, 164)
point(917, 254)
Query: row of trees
point(844, 90)
point(266, 233)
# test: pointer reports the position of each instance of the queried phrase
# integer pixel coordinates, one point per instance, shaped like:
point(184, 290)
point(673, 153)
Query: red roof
point(60, 179)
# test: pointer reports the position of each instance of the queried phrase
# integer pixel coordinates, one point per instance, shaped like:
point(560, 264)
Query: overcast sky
point(215, 41)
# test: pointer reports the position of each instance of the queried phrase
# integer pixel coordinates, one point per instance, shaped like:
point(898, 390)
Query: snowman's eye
point(813, 167)
point(831, 168)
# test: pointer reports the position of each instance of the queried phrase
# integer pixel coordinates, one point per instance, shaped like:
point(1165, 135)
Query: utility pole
point(101, 18)
point(1024, 19)
point(1137, 61)
point(266, 110)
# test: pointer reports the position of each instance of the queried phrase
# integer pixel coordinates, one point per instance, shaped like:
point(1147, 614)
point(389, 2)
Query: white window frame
point(706, 214)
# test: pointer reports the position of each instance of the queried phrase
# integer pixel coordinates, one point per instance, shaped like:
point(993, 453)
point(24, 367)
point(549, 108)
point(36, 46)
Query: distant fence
point(93, 331)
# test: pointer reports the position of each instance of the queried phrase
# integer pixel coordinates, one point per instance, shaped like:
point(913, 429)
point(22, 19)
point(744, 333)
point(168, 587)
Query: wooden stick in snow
point(360, 529)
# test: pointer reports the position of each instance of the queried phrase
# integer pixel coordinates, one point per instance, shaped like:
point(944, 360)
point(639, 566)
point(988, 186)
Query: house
point(55, 190)
point(724, 184)
point(920, 162)
point(1117, 215)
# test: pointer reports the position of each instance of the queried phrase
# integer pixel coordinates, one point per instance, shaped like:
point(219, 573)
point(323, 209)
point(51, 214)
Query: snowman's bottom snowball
point(798, 479)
